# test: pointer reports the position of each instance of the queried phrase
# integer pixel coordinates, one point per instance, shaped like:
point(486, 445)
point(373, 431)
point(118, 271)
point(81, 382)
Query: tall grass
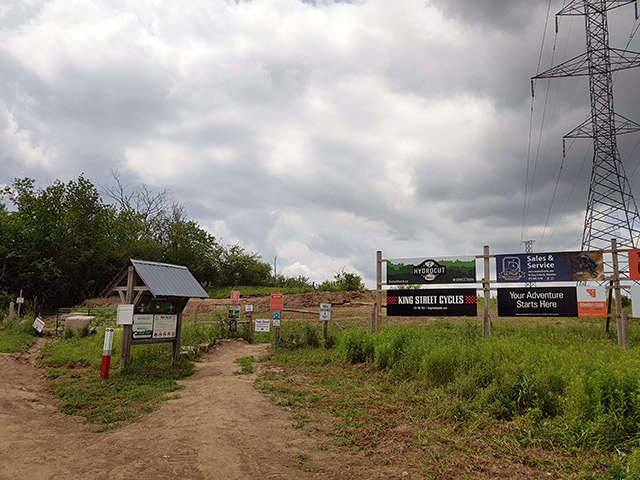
point(14, 341)
point(571, 382)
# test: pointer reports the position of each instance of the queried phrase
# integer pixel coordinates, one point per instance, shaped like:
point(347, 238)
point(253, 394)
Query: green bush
point(357, 346)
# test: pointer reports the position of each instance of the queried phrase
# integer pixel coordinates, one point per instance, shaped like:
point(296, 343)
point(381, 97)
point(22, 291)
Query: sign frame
point(459, 269)
point(440, 302)
point(538, 302)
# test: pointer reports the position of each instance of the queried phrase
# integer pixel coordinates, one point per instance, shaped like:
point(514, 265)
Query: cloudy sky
point(318, 131)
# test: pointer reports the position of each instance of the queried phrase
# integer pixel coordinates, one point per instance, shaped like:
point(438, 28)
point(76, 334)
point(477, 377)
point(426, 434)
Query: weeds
point(562, 385)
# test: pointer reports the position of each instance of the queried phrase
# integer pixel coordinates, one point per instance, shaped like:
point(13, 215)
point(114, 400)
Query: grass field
point(556, 392)
point(551, 394)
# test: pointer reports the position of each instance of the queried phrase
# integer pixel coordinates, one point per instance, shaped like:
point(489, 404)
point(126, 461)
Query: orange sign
point(276, 301)
point(634, 264)
point(592, 302)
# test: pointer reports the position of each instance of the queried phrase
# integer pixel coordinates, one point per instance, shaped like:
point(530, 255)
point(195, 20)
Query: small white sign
point(20, 300)
point(262, 325)
point(248, 308)
point(142, 326)
point(38, 324)
point(125, 314)
point(325, 312)
point(164, 326)
point(276, 322)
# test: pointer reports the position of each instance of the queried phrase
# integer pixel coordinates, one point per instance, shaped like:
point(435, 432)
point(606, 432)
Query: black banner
point(443, 302)
point(537, 302)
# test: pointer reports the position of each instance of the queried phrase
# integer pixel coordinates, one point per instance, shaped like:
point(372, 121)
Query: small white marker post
point(106, 352)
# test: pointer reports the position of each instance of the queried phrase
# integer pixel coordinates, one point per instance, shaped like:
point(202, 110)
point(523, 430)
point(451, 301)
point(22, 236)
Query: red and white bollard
point(106, 352)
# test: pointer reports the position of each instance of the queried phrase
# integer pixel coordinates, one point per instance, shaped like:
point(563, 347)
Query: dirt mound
point(353, 301)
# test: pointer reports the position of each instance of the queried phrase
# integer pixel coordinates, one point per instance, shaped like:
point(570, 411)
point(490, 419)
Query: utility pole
point(611, 212)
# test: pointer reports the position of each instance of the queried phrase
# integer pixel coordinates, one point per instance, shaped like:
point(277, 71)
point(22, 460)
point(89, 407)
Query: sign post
point(249, 310)
point(277, 304)
point(19, 301)
point(106, 353)
point(325, 316)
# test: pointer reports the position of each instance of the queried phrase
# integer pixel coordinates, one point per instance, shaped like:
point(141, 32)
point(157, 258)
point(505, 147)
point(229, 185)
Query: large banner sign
point(550, 267)
point(458, 302)
point(537, 302)
point(417, 271)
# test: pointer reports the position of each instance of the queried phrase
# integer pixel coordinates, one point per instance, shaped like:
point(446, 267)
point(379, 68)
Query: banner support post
point(486, 285)
point(378, 290)
point(621, 320)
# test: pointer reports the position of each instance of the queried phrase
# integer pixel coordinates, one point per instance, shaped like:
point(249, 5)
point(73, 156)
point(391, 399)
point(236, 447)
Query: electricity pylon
point(611, 209)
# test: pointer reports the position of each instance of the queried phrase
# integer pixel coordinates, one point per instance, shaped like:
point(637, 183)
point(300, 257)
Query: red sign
point(277, 301)
point(634, 264)
point(235, 298)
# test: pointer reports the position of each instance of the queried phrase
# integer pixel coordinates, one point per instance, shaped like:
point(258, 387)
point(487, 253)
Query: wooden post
point(177, 342)
point(373, 319)
point(486, 285)
point(19, 305)
point(11, 314)
point(621, 320)
point(127, 330)
point(324, 330)
point(378, 290)
point(609, 300)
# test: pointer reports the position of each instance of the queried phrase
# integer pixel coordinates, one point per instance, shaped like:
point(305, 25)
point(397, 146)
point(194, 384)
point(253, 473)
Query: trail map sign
point(459, 302)
point(550, 267)
point(417, 271)
point(164, 326)
point(537, 302)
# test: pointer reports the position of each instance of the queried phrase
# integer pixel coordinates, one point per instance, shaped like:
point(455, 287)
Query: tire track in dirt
point(221, 427)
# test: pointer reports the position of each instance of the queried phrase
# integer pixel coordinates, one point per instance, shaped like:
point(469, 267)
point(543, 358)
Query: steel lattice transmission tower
point(611, 209)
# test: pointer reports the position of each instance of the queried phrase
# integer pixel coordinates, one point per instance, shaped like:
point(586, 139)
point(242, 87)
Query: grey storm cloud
point(314, 131)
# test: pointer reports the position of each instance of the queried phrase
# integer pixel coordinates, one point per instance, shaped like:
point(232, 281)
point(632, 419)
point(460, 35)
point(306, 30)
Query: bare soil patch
point(219, 428)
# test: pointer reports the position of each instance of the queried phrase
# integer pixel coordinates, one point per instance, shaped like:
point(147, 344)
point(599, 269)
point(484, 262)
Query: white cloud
point(318, 132)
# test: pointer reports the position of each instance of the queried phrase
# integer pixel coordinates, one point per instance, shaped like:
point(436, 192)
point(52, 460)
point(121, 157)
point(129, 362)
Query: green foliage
point(570, 383)
point(129, 393)
point(342, 281)
point(247, 365)
point(357, 346)
point(14, 341)
point(225, 292)
point(63, 244)
point(76, 350)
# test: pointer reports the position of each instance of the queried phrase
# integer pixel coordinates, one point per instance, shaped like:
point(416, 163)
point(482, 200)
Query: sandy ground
point(219, 428)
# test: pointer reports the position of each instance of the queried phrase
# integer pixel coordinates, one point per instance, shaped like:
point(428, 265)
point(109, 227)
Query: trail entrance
point(220, 428)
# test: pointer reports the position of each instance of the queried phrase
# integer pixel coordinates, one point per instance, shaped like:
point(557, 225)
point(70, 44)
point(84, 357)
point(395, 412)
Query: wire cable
point(528, 192)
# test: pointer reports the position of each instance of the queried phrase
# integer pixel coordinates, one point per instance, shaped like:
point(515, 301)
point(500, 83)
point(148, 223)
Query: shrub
point(358, 346)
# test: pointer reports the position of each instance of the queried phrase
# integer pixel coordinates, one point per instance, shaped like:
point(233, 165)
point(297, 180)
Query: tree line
point(65, 243)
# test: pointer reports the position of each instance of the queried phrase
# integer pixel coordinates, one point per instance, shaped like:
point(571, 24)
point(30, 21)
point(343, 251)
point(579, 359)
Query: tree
point(343, 281)
point(241, 268)
point(59, 248)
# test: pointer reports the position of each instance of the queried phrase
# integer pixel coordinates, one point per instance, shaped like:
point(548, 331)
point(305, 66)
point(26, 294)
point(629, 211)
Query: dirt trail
point(220, 428)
